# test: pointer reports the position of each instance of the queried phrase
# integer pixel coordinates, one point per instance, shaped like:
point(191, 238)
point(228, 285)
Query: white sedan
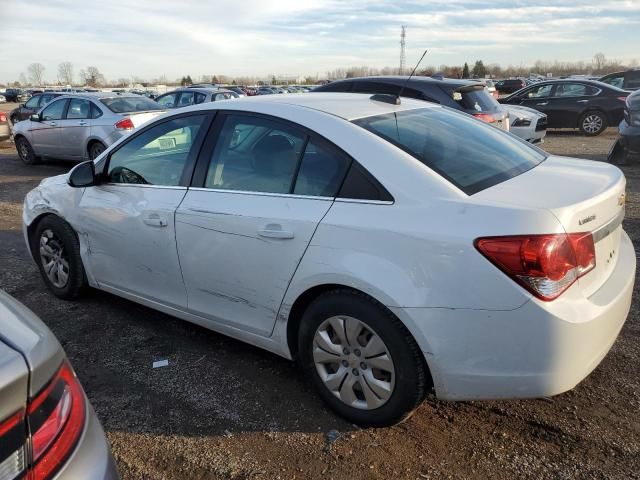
point(527, 123)
point(393, 249)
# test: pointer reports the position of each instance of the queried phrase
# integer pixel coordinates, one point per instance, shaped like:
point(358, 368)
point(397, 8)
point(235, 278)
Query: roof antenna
point(395, 99)
point(414, 71)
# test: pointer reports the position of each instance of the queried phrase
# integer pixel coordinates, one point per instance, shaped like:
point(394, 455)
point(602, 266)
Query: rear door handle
point(154, 220)
point(543, 103)
point(274, 230)
point(83, 123)
point(53, 124)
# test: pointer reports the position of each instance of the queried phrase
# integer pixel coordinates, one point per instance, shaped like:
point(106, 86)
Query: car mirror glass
point(83, 175)
point(35, 117)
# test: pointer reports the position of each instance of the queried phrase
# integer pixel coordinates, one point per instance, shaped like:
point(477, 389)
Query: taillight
point(3, 117)
point(546, 265)
point(485, 117)
point(56, 418)
point(125, 124)
point(13, 437)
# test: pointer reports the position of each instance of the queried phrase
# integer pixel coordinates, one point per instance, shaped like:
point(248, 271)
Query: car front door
point(45, 134)
point(129, 219)
point(538, 97)
point(245, 225)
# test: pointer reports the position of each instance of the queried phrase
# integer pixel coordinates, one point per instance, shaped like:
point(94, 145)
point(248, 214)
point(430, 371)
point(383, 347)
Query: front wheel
point(25, 152)
point(56, 250)
point(593, 123)
point(362, 360)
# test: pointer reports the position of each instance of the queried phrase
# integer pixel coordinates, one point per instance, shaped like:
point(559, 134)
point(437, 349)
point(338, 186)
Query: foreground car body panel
point(403, 252)
point(30, 356)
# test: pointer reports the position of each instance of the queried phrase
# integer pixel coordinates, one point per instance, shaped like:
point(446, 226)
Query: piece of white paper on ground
point(160, 363)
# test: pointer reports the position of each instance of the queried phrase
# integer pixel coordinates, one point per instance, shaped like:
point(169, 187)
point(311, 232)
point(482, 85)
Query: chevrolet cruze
point(393, 247)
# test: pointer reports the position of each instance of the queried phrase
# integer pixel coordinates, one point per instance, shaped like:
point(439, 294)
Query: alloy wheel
point(54, 259)
point(23, 151)
point(96, 150)
point(353, 362)
point(592, 123)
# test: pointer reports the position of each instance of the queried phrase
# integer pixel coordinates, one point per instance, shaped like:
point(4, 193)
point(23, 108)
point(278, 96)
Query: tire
point(25, 152)
point(54, 241)
point(593, 123)
point(400, 384)
point(95, 149)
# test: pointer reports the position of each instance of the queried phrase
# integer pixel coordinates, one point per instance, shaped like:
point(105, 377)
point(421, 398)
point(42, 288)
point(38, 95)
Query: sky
point(258, 38)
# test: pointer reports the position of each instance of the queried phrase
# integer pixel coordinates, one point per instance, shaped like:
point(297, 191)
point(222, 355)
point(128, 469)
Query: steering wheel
point(125, 175)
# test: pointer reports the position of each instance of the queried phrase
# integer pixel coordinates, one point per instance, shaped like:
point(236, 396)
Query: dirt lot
point(224, 410)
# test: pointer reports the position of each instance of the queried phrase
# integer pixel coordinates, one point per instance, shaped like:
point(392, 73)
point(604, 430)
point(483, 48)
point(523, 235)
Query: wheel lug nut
point(357, 352)
point(345, 363)
point(355, 372)
point(345, 351)
point(363, 365)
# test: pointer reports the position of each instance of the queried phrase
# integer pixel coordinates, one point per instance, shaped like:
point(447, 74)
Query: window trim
point(207, 150)
point(196, 150)
point(598, 91)
point(71, 99)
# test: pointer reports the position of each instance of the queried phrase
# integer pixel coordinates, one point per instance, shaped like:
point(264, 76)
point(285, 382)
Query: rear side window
point(321, 171)
point(78, 108)
point(574, 90)
point(471, 155)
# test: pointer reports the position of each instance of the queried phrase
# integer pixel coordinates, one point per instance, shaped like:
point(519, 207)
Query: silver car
point(81, 126)
point(183, 97)
point(47, 425)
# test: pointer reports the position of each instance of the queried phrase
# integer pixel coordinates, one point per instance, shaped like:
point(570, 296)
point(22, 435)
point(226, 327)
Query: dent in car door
point(241, 239)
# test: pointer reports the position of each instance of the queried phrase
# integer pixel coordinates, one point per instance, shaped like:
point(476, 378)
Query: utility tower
point(403, 36)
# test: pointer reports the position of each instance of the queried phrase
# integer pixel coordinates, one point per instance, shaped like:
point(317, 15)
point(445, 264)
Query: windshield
point(130, 104)
point(470, 154)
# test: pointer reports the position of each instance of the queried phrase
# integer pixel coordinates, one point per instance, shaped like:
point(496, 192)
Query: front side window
point(54, 110)
point(256, 155)
point(539, 92)
point(158, 155)
point(78, 108)
point(470, 154)
point(167, 101)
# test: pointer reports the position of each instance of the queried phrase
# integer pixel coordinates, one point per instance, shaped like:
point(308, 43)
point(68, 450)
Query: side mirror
point(83, 175)
point(35, 117)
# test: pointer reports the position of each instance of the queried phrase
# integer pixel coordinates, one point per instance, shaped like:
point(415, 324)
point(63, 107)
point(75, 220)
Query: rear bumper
point(92, 457)
point(630, 137)
point(539, 349)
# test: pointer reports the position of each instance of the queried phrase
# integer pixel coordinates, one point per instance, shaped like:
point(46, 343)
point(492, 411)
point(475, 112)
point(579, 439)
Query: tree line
point(91, 75)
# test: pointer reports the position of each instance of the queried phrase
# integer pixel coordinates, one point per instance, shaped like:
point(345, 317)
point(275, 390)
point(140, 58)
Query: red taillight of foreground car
point(622, 99)
point(125, 124)
point(485, 117)
point(56, 418)
point(3, 117)
point(546, 265)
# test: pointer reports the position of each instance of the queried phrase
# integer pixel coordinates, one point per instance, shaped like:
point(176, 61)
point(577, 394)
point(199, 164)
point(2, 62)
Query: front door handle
point(83, 123)
point(543, 103)
point(155, 220)
point(53, 124)
point(274, 230)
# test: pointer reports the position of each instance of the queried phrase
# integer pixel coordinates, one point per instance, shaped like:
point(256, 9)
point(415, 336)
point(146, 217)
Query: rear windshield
point(478, 100)
point(470, 154)
point(130, 104)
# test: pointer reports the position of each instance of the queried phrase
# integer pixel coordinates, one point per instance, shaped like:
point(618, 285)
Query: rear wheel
point(57, 252)
point(25, 152)
point(593, 123)
point(96, 149)
point(362, 360)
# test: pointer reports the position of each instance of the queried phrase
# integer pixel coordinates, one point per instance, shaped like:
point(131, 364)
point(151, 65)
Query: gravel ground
point(225, 410)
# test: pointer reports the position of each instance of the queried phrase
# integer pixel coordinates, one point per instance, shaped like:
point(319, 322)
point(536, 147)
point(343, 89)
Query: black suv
point(504, 87)
point(629, 80)
point(15, 95)
point(35, 103)
point(468, 96)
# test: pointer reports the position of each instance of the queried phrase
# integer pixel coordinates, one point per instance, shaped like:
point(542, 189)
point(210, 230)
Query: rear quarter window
point(471, 155)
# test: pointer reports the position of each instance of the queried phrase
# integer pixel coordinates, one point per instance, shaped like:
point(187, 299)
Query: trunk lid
point(24, 332)
point(585, 196)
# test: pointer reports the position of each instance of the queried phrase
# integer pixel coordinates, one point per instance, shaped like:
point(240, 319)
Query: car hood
point(24, 332)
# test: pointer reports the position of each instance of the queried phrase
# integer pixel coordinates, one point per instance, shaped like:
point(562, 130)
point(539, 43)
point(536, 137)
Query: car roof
point(399, 79)
point(348, 106)
point(101, 95)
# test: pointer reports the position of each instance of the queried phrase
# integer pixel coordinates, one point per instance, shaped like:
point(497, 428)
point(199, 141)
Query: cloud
point(259, 37)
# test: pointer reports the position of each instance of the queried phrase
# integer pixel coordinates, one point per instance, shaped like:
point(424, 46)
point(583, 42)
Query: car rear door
point(75, 128)
point(129, 220)
point(568, 102)
point(244, 226)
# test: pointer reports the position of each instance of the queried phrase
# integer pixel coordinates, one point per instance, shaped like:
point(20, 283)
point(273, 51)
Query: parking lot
point(223, 409)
